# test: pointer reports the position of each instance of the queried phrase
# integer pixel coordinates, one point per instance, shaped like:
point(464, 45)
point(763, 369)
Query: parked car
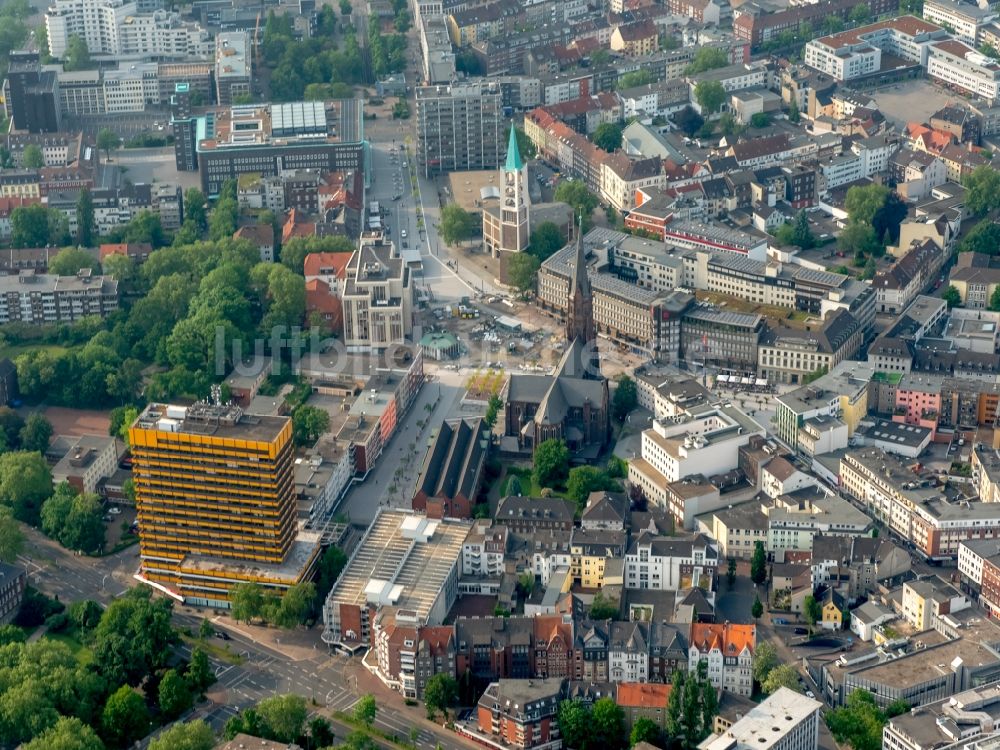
point(221, 634)
point(810, 694)
point(115, 511)
point(801, 631)
point(780, 621)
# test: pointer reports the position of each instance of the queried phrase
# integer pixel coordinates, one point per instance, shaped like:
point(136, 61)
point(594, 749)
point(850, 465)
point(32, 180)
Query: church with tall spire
point(507, 227)
point(581, 333)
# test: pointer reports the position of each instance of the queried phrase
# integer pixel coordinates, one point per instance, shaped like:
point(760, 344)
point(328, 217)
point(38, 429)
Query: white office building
point(786, 720)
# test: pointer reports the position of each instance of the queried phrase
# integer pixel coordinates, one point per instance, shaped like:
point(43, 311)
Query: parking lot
point(912, 101)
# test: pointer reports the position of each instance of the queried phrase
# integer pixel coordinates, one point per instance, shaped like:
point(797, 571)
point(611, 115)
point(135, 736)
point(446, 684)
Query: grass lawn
point(13, 350)
point(84, 655)
point(222, 653)
point(529, 488)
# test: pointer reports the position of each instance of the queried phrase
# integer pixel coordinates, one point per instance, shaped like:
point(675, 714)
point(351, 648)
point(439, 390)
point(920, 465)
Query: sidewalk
point(295, 645)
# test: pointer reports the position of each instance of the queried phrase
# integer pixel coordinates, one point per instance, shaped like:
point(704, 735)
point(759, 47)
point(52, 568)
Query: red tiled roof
point(643, 695)
point(315, 263)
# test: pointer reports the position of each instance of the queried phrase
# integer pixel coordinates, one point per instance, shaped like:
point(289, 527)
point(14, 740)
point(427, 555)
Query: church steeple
point(514, 163)
point(580, 308)
point(514, 202)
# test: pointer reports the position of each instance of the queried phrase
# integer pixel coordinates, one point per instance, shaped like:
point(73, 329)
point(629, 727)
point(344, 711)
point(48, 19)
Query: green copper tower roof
point(514, 163)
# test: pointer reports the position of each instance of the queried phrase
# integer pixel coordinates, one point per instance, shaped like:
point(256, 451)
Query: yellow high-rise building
point(216, 501)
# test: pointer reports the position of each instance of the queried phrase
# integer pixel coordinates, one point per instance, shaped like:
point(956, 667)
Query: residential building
point(956, 64)
point(785, 720)
point(97, 22)
point(261, 236)
point(484, 551)
point(591, 549)
point(44, 299)
point(636, 39)
point(233, 67)
point(965, 20)
point(321, 136)
point(450, 477)
point(483, 21)
point(972, 554)
point(522, 515)
point(459, 126)
point(757, 26)
point(377, 297)
point(857, 53)
point(737, 529)
point(796, 519)
point(405, 563)
point(841, 393)
point(519, 714)
point(670, 564)
point(976, 276)
point(89, 460)
point(911, 508)
point(200, 543)
point(706, 443)
point(436, 55)
point(517, 647)
point(13, 581)
point(898, 286)
point(408, 654)
point(643, 701)
point(924, 601)
point(728, 650)
point(715, 238)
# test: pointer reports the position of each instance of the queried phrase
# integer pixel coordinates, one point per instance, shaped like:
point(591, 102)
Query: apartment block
point(842, 393)
point(728, 650)
point(966, 21)
point(956, 64)
point(44, 299)
point(670, 564)
point(459, 126)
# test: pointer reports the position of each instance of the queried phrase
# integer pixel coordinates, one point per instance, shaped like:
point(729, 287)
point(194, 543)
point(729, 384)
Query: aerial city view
point(506, 374)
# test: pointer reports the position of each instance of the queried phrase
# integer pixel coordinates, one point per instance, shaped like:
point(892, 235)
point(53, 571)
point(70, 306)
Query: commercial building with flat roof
point(459, 127)
point(406, 562)
point(967, 715)
point(268, 139)
point(216, 502)
point(233, 66)
point(785, 720)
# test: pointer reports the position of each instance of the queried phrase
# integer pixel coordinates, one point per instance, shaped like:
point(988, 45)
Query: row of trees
point(250, 603)
point(46, 694)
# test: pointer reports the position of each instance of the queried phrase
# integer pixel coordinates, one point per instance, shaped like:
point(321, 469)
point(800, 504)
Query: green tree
point(30, 226)
point(85, 614)
point(69, 733)
point(812, 610)
point(199, 672)
point(574, 724)
point(574, 193)
point(55, 510)
point(365, 710)
point(69, 261)
point(857, 238)
point(134, 637)
point(710, 96)
point(607, 136)
point(760, 120)
point(36, 433)
point(125, 718)
point(246, 601)
point(551, 463)
point(522, 270)
point(76, 56)
point(607, 724)
point(440, 694)
point(583, 480)
point(85, 219)
point(802, 235)
point(994, 300)
point(859, 722)
point(952, 296)
point(546, 240)
point(456, 224)
point(195, 208)
point(83, 528)
point(860, 13)
point(173, 694)
point(864, 201)
point(296, 604)
point(757, 609)
point(32, 158)
point(793, 112)
point(601, 608)
point(626, 397)
point(11, 537)
point(707, 58)
point(982, 190)
point(331, 564)
point(308, 423)
point(765, 658)
point(222, 220)
point(758, 564)
point(192, 735)
point(689, 121)
point(731, 572)
point(25, 482)
point(493, 410)
point(982, 238)
point(320, 731)
point(635, 78)
point(294, 252)
point(645, 730)
point(284, 716)
point(108, 142)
